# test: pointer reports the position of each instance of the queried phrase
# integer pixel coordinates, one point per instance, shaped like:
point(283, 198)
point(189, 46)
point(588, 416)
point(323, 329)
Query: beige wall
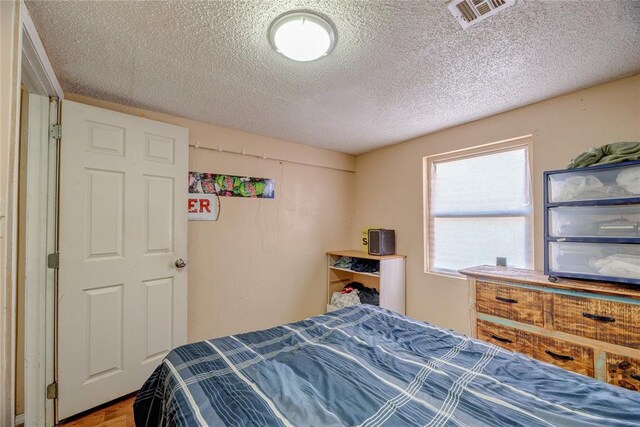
point(263, 262)
point(389, 187)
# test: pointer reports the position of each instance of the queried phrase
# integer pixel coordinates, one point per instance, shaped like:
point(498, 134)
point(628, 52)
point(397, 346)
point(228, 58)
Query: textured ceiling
point(400, 68)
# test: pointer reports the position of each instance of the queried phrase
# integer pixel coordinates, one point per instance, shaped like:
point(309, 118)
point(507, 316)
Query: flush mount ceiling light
point(302, 36)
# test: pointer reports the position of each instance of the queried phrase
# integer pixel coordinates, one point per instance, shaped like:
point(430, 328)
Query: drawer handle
point(635, 376)
point(605, 319)
point(558, 356)
point(505, 340)
point(507, 300)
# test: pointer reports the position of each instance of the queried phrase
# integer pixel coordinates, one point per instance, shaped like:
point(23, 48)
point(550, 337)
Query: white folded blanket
point(619, 265)
point(574, 187)
point(629, 179)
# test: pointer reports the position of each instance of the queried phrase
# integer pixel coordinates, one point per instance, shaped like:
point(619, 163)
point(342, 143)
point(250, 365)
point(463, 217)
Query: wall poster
point(204, 189)
point(231, 186)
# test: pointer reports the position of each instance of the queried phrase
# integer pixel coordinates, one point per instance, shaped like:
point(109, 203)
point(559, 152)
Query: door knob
point(180, 263)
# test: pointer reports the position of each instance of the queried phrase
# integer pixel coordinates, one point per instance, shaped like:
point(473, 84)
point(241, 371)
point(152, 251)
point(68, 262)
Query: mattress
point(367, 366)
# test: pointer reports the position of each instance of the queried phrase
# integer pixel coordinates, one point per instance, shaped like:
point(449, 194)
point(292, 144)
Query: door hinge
point(52, 390)
point(55, 131)
point(53, 260)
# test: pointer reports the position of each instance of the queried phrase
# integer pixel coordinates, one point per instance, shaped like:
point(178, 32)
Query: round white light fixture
point(302, 36)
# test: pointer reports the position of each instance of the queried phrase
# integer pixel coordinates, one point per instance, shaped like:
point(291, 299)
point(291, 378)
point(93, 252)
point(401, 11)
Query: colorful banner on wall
point(231, 186)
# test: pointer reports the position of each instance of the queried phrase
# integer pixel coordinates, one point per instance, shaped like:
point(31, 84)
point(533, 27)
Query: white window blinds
point(480, 209)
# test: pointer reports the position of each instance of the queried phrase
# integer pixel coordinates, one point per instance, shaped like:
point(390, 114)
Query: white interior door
point(123, 224)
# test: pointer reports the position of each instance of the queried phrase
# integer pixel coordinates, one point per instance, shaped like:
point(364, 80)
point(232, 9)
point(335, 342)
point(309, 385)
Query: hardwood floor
point(113, 414)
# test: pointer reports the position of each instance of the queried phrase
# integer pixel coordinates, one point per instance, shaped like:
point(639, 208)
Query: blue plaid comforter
point(367, 366)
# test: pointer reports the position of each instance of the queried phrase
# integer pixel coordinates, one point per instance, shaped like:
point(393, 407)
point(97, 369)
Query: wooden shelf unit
point(351, 271)
point(389, 281)
point(588, 327)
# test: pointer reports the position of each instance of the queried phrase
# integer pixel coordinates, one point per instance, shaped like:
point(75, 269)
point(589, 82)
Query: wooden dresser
point(592, 328)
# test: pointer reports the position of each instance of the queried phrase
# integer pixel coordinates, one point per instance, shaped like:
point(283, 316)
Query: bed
point(367, 366)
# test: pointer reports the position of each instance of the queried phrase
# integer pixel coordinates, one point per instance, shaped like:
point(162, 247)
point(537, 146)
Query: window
point(479, 208)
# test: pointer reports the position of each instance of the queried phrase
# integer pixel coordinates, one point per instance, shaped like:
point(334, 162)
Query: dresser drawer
point(509, 302)
point(503, 336)
point(572, 357)
point(609, 321)
point(623, 371)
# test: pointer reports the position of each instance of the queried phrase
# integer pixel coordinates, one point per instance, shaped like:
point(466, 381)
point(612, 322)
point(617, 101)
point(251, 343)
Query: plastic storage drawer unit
point(592, 223)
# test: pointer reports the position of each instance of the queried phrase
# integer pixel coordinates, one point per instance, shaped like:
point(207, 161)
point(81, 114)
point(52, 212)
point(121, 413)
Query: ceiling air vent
point(470, 12)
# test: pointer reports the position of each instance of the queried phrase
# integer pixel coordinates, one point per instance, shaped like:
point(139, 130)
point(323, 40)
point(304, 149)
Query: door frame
point(37, 72)
point(10, 51)
point(37, 239)
point(38, 77)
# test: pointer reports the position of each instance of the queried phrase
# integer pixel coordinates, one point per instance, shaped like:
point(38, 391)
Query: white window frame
point(525, 142)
